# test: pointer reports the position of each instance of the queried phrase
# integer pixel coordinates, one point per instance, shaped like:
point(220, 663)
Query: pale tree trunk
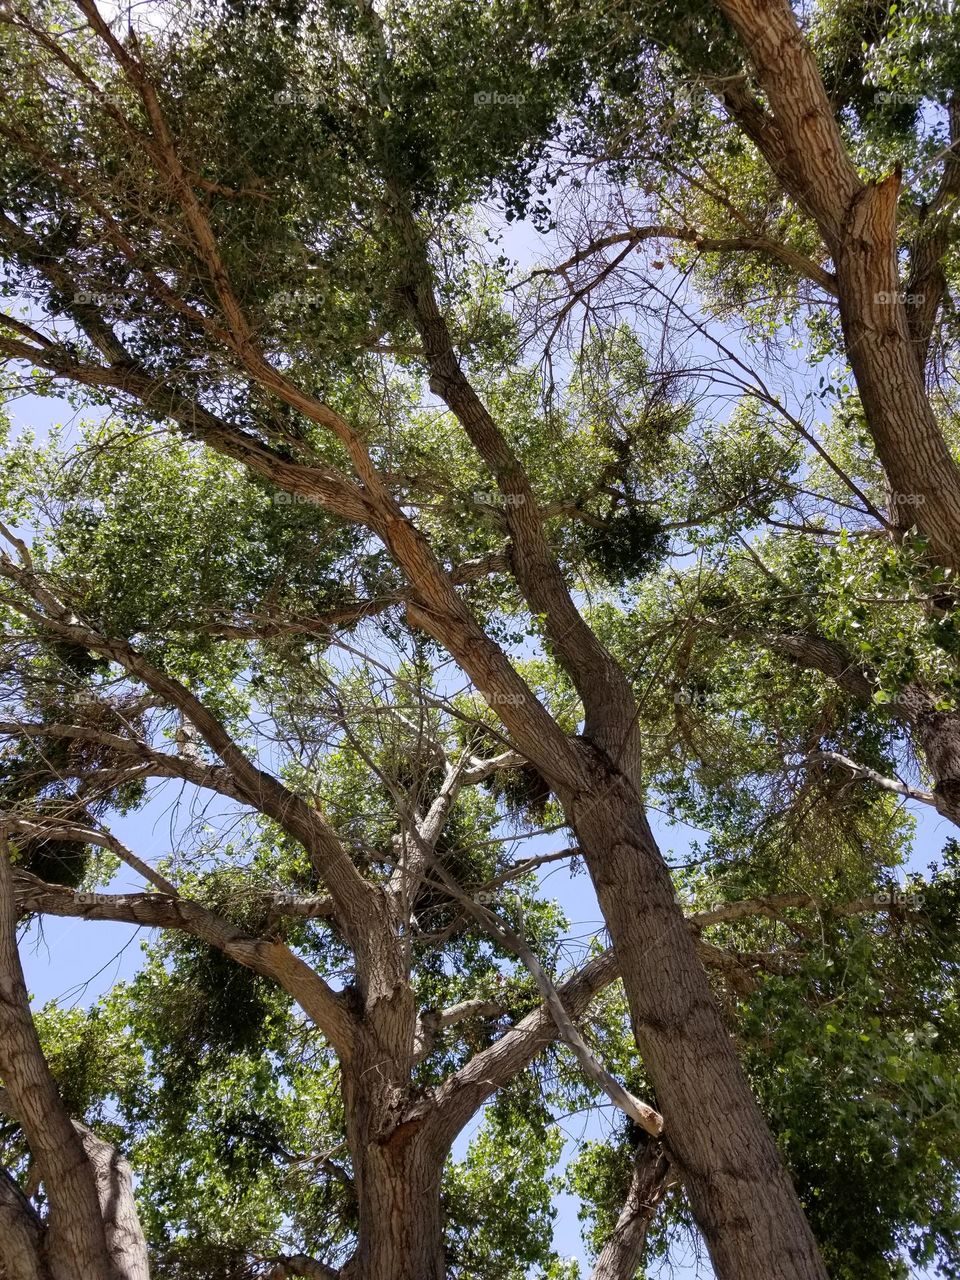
point(622, 1255)
point(114, 1177)
point(91, 1230)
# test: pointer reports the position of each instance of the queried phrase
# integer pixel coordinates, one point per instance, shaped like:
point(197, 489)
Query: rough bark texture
point(910, 445)
point(118, 1211)
point(20, 1235)
point(622, 1255)
point(885, 344)
point(400, 1226)
point(740, 1193)
point(937, 734)
point(75, 1237)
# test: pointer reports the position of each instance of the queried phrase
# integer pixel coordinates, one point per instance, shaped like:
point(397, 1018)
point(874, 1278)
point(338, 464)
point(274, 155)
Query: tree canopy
point(483, 426)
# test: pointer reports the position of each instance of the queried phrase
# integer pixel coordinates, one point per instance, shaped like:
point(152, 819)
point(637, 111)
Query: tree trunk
point(921, 473)
point(92, 1229)
point(398, 1190)
point(124, 1234)
point(937, 735)
point(397, 1161)
point(75, 1242)
point(801, 141)
point(622, 1255)
point(20, 1235)
point(741, 1195)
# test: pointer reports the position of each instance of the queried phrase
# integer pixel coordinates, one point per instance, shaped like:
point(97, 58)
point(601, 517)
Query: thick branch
point(622, 1255)
point(464, 1092)
point(269, 958)
point(76, 1240)
point(807, 151)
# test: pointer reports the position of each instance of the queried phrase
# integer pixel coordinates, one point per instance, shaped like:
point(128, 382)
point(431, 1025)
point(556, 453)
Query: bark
point(124, 1234)
point(910, 445)
point(739, 1191)
point(801, 142)
point(937, 734)
point(397, 1165)
point(622, 1255)
point(301, 1265)
point(23, 1246)
point(76, 1242)
point(20, 1235)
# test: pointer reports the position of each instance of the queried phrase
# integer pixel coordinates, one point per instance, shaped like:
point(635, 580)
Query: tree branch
point(267, 957)
point(861, 772)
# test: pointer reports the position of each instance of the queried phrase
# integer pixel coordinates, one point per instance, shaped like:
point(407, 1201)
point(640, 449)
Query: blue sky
point(75, 961)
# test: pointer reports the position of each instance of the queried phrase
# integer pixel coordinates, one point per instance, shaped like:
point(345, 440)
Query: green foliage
point(498, 1200)
point(695, 534)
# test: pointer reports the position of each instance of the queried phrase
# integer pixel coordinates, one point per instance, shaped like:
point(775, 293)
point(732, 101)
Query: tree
point(778, 180)
point(252, 235)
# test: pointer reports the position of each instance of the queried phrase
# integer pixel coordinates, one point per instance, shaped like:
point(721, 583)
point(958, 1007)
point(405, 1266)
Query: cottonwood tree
point(799, 174)
point(218, 1072)
point(253, 228)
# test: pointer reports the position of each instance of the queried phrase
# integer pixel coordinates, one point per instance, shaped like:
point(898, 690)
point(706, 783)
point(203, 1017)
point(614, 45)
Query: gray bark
point(622, 1255)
